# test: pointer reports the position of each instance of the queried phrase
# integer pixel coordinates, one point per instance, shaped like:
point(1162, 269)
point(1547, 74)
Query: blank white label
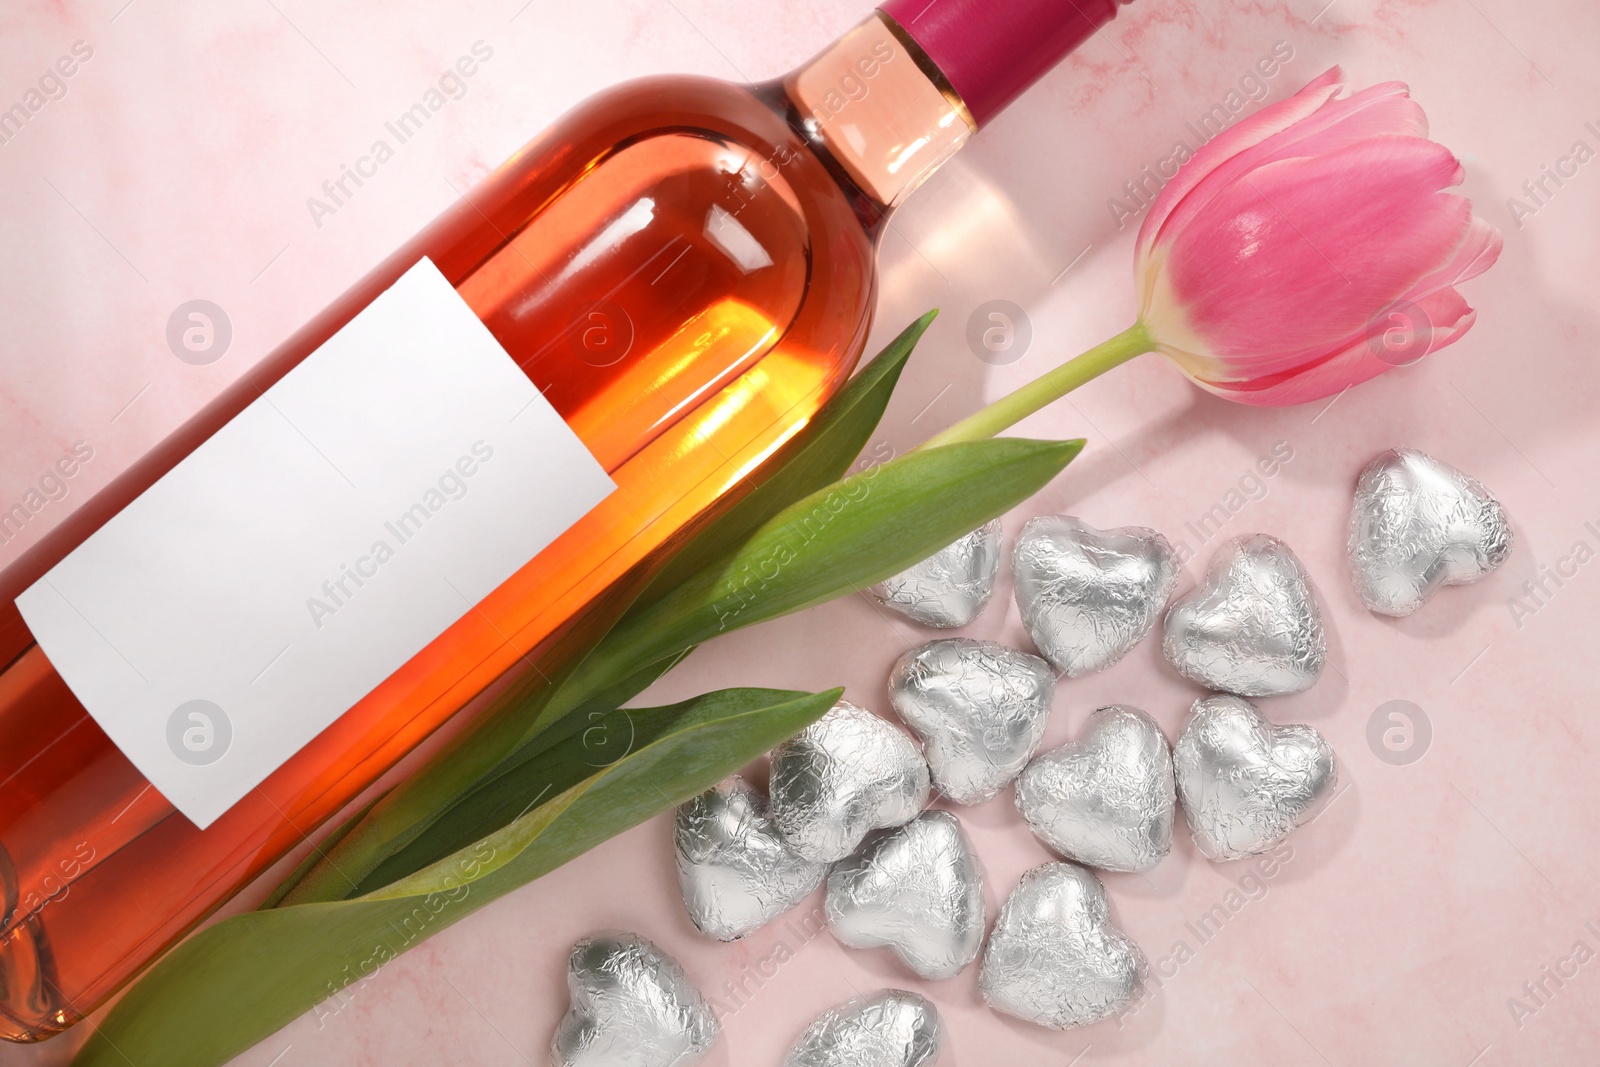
point(311, 547)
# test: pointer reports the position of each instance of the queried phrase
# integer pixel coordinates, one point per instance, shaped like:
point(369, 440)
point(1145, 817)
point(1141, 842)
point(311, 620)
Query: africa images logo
point(339, 590)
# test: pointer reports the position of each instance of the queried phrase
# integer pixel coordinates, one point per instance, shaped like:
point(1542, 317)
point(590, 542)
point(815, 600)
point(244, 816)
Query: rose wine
point(685, 270)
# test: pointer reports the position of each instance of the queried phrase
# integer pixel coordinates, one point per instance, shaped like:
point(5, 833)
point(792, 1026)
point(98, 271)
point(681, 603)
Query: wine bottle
point(676, 275)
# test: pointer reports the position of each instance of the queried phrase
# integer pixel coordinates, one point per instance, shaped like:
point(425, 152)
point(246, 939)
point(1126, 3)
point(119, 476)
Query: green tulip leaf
point(235, 983)
point(388, 823)
point(843, 538)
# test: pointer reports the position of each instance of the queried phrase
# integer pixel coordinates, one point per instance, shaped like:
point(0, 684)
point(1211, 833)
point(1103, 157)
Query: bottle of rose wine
point(397, 509)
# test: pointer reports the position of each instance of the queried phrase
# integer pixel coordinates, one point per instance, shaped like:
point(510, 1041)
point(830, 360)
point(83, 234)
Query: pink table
point(1439, 913)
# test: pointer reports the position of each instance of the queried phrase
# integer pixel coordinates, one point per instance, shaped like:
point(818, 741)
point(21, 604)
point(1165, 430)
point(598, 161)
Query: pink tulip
point(1309, 248)
point(1303, 250)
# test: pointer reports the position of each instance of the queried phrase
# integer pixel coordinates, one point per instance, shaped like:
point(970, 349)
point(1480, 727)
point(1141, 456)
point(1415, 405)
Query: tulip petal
point(1447, 313)
point(1384, 110)
point(1476, 253)
point(1236, 138)
point(1432, 311)
point(1302, 251)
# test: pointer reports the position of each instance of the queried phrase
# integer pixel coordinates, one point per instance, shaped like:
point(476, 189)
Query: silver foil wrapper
point(1254, 628)
point(917, 889)
point(1245, 783)
point(888, 1029)
point(1418, 525)
point(1087, 596)
point(845, 775)
point(950, 587)
point(979, 708)
point(735, 870)
point(1054, 957)
point(1106, 800)
point(632, 1006)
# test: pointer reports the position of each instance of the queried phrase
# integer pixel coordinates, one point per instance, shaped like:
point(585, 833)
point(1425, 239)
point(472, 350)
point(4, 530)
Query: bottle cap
point(990, 51)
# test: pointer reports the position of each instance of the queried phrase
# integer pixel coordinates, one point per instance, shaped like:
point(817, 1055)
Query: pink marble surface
point(1410, 916)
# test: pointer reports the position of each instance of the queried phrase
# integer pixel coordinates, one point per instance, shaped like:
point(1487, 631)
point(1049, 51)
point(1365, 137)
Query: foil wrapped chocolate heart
point(632, 1006)
point(1245, 783)
point(888, 1029)
point(735, 870)
point(1087, 596)
point(917, 889)
point(1054, 957)
point(950, 587)
point(1254, 628)
point(1419, 525)
point(1106, 800)
point(980, 709)
point(845, 775)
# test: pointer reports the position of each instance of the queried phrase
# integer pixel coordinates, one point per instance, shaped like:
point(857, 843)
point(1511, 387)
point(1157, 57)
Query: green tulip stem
point(1047, 388)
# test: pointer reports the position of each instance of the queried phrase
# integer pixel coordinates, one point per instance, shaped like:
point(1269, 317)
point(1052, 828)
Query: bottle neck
point(877, 105)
